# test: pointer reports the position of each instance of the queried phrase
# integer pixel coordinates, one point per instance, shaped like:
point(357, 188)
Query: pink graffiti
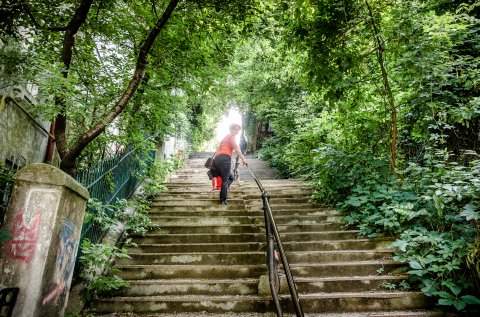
point(55, 293)
point(24, 237)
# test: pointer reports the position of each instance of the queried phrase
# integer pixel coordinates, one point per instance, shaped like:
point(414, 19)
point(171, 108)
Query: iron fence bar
point(270, 226)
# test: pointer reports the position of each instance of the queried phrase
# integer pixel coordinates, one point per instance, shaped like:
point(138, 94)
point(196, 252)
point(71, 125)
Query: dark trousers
point(223, 164)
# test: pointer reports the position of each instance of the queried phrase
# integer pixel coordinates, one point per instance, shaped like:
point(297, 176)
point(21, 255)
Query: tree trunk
point(387, 90)
point(74, 25)
point(256, 135)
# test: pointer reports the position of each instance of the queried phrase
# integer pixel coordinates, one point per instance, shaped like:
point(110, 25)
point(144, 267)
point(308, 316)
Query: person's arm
point(240, 155)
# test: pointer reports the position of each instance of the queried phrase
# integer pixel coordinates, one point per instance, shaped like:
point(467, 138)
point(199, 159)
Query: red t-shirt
point(227, 145)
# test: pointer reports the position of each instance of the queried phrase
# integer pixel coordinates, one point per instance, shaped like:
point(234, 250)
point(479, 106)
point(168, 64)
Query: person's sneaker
point(224, 202)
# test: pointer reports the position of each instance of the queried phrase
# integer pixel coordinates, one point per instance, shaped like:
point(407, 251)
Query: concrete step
point(195, 195)
point(252, 257)
point(333, 284)
point(316, 302)
point(362, 301)
point(195, 202)
point(187, 220)
point(202, 220)
point(185, 303)
point(199, 229)
point(213, 207)
point(252, 228)
point(346, 269)
point(227, 235)
point(181, 247)
point(201, 258)
point(342, 269)
point(241, 286)
point(395, 313)
point(249, 286)
point(279, 195)
point(238, 212)
point(137, 271)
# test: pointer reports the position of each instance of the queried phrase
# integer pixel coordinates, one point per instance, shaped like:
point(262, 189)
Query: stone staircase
point(209, 260)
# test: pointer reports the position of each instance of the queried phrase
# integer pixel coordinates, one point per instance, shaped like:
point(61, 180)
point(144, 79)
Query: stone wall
point(24, 138)
point(172, 146)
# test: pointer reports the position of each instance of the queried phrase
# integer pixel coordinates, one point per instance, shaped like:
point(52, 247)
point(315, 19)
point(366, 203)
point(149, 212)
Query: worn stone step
point(302, 220)
point(326, 226)
point(250, 286)
point(136, 272)
point(287, 200)
point(299, 193)
point(395, 313)
point(167, 220)
point(241, 286)
point(180, 247)
point(203, 213)
point(253, 228)
point(163, 220)
point(254, 193)
point(320, 257)
point(202, 230)
point(186, 303)
point(353, 268)
point(194, 203)
point(248, 236)
point(251, 257)
point(200, 258)
point(199, 247)
point(254, 213)
point(362, 301)
point(315, 303)
point(284, 206)
point(343, 283)
point(213, 207)
point(213, 195)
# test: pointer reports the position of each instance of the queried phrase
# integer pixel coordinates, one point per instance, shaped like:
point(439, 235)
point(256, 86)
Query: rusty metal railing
point(276, 253)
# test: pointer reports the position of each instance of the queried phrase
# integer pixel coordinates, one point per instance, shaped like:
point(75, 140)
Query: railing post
point(45, 217)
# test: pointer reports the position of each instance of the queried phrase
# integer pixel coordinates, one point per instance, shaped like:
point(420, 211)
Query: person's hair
point(233, 126)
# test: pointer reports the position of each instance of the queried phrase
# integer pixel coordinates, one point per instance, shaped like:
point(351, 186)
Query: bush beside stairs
point(209, 260)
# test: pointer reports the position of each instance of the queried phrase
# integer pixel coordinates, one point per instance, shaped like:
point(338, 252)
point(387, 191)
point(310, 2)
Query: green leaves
point(97, 262)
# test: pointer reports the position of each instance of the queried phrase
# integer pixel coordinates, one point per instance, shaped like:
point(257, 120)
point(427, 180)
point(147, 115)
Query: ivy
point(97, 261)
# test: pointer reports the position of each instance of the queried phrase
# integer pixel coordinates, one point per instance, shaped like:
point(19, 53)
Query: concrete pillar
point(44, 217)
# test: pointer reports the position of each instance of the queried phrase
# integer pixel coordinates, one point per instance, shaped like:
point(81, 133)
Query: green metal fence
point(111, 180)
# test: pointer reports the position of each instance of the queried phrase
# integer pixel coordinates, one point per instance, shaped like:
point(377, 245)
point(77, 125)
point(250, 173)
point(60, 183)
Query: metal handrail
point(274, 242)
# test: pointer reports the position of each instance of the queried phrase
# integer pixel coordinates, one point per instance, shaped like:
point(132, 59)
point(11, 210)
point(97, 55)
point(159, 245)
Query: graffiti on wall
point(64, 264)
point(24, 233)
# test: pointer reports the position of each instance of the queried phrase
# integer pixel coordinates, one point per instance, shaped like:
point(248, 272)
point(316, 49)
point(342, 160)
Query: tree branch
point(132, 87)
point(34, 21)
